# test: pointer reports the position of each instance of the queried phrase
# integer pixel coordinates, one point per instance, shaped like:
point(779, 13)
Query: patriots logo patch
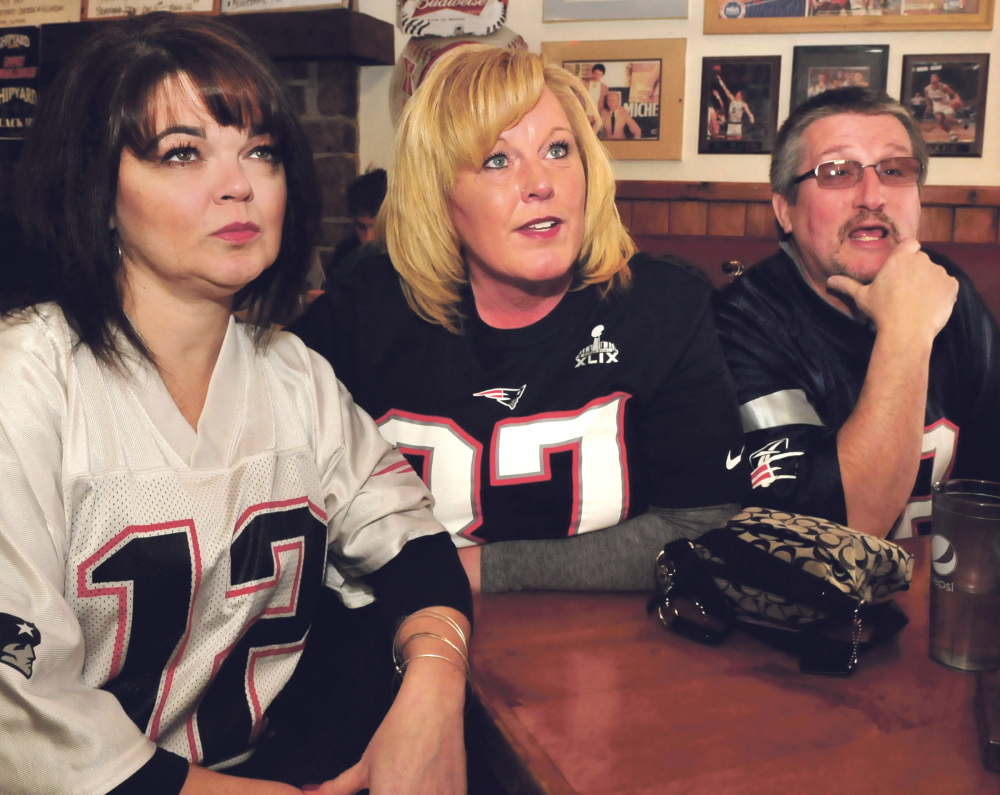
point(18, 639)
point(507, 396)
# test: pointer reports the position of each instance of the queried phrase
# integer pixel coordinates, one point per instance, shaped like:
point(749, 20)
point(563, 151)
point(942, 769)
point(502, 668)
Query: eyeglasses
point(894, 172)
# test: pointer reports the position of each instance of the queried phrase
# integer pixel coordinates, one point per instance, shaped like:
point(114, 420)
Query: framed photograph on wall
point(739, 105)
point(115, 9)
point(947, 96)
point(842, 16)
point(815, 69)
point(19, 51)
point(575, 10)
point(256, 6)
point(22, 13)
point(638, 87)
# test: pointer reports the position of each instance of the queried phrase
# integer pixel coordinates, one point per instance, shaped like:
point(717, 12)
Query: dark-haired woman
point(182, 491)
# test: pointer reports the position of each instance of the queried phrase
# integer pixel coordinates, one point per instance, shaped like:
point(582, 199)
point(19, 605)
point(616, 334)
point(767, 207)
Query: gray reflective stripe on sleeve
point(788, 407)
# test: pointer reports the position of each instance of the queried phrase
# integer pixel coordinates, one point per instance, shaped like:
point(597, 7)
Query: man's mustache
point(868, 218)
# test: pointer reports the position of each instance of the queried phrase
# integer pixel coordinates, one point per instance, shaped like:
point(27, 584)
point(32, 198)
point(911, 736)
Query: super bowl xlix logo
point(599, 351)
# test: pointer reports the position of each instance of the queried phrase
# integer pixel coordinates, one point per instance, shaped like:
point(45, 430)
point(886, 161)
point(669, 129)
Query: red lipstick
point(237, 233)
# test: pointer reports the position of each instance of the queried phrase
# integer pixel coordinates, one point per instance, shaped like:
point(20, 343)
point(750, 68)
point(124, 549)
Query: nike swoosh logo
point(730, 461)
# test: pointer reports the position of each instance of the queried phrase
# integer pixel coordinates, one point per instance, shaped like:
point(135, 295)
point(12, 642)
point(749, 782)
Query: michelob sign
point(18, 79)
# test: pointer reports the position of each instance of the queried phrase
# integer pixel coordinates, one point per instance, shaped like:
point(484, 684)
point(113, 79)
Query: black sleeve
point(792, 452)
point(164, 774)
point(693, 434)
point(425, 573)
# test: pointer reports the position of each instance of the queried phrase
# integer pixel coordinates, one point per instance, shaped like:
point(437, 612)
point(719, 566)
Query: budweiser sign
point(473, 7)
point(420, 54)
point(451, 17)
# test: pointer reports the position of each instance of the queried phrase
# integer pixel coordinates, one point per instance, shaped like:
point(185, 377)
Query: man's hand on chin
point(910, 296)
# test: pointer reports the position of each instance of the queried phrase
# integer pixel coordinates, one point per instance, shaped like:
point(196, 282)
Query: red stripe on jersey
point(402, 466)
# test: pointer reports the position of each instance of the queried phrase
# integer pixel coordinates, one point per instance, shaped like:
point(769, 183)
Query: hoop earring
point(116, 252)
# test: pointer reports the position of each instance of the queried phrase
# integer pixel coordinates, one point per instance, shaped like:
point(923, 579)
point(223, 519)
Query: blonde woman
point(564, 398)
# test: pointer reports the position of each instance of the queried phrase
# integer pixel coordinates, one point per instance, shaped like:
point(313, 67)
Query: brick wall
point(326, 93)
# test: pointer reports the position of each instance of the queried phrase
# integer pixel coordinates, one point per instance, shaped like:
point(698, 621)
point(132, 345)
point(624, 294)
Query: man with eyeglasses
point(867, 368)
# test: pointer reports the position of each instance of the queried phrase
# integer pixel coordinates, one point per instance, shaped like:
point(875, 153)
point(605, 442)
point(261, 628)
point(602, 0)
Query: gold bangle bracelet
point(448, 620)
point(406, 642)
point(430, 614)
point(440, 617)
point(401, 669)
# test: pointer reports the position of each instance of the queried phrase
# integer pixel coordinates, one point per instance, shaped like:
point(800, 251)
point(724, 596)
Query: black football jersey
point(609, 404)
point(799, 365)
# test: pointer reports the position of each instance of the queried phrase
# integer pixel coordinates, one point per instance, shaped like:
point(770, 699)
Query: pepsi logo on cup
point(943, 557)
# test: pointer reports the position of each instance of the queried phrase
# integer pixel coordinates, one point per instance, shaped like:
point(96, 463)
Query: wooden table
point(585, 693)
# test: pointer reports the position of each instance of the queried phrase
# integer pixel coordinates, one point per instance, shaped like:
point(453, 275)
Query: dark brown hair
point(99, 104)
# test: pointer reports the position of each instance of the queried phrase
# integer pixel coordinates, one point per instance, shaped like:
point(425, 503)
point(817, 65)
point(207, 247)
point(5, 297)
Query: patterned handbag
point(811, 587)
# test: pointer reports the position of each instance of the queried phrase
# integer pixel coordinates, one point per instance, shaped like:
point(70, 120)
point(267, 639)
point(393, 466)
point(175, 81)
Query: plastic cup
point(965, 575)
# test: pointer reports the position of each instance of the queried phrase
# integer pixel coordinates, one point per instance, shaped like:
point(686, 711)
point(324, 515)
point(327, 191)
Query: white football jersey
point(157, 582)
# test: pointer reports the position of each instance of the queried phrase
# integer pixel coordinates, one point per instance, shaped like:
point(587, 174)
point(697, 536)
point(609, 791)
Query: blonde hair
point(467, 100)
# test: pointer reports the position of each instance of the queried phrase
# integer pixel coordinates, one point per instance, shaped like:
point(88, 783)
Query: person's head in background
point(105, 104)
point(450, 135)
point(364, 198)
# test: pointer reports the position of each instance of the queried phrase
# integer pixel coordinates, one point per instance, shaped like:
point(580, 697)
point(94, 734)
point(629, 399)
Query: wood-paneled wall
point(743, 209)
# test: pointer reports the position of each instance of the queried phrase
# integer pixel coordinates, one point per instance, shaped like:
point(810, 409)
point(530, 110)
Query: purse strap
point(687, 601)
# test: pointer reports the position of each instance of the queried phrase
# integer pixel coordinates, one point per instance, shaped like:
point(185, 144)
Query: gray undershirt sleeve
point(618, 558)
